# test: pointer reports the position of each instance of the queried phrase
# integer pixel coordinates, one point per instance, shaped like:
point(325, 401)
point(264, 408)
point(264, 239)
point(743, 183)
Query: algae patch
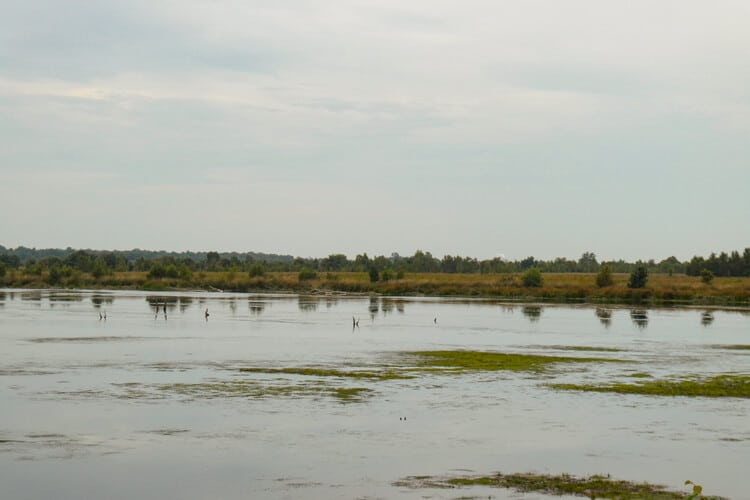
point(469, 361)
point(254, 390)
point(720, 386)
point(596, 486)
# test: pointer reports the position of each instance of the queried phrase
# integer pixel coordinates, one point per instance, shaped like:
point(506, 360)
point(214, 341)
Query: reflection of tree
point(707, 318)
point(307, 304)
point(256, 307)
point(158, 303)
point(604, 315)
point(185, 302)
point(532, 312)
point(374, 307)
point(400, 306)
point(639, 317)
point(387, 306)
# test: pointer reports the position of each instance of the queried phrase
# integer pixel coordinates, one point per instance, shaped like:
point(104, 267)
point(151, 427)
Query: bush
point(707, 276)
point(157, 271)
point(604, 276)
point(307, 274)
point(374, 275)
point(256, 270)
point(2, 269)
point(171, 271)
point(532, 278)
point(638, 277)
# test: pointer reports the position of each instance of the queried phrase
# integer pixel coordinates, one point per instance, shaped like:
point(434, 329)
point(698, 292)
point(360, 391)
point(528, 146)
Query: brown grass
point(558, 287)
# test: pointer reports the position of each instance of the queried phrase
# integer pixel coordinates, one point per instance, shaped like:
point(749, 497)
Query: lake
point(160, 401)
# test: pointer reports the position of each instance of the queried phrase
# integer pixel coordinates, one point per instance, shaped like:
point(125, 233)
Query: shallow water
point(139, 405)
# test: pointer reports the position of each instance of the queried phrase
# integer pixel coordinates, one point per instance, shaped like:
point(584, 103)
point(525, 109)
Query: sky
point(305, 127)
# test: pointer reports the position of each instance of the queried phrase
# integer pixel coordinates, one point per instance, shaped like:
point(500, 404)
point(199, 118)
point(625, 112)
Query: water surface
point(121, 407)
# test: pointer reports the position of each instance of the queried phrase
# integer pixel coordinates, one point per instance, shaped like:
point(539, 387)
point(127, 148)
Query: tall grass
point(558, 287)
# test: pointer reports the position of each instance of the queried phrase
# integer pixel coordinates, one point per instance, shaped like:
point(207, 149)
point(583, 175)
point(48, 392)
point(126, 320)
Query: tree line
point(64, 262)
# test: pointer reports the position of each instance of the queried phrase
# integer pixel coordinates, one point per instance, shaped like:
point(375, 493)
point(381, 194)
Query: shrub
point(171, 271)
point(157, 271)
point(532, 278)
point(2, 269)
point(707, 276)
point(307, 274)
point(638, 277)
point(256, 270)
point(604, 276)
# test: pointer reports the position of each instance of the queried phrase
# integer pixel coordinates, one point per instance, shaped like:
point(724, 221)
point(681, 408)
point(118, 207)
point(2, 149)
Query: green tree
point(2, 269)
point(100, 268)
point(55, 275)
point(157, 271)
point(374, 275)
point(171, 271)
point(256, 270)
point(533, 278)
point(185, 273)
point(707, 276)
point(639, 277)
point(604, 276)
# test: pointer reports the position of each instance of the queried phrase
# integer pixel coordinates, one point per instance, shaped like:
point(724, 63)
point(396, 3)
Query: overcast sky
point(479, 128)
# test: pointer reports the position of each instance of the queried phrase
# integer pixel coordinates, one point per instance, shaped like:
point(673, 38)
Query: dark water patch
point(329, 372)
point(582, 348)
point(168, 432)
point(595, 486)
point(84, 340)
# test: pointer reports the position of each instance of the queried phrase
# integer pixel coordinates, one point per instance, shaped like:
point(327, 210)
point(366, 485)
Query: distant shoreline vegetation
point(722, 279)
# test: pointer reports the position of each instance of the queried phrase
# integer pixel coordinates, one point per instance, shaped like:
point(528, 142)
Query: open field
point(558, 287)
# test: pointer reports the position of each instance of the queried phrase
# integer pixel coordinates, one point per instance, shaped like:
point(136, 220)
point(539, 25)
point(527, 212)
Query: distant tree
point(527, 262)
point(386, 275)
point(157, 271)
point(100, 268)
point(55, 275)
point(707, 276)
point(185, 273)
point(2, 269)
point(171, 271)
point(604, 276)
point(587, 263)
point(533, 278)
point(638, 277)
point(374, 275)
point(256, 270)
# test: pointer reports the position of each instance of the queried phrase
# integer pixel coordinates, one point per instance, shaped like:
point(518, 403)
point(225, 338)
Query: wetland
point(326, 396)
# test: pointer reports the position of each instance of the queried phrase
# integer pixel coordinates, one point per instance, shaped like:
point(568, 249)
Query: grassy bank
point(558, 287)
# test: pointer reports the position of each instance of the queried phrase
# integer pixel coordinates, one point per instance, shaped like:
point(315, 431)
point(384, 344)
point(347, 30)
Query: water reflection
point(639, 317)
point(307, 304)
point(66, 297)
point(707, 317)
point(604, 315)
point(374, 307)
point(185, 302)
point(162, 305)
point(256, 307)
point(98, 300)
point(532, 312)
